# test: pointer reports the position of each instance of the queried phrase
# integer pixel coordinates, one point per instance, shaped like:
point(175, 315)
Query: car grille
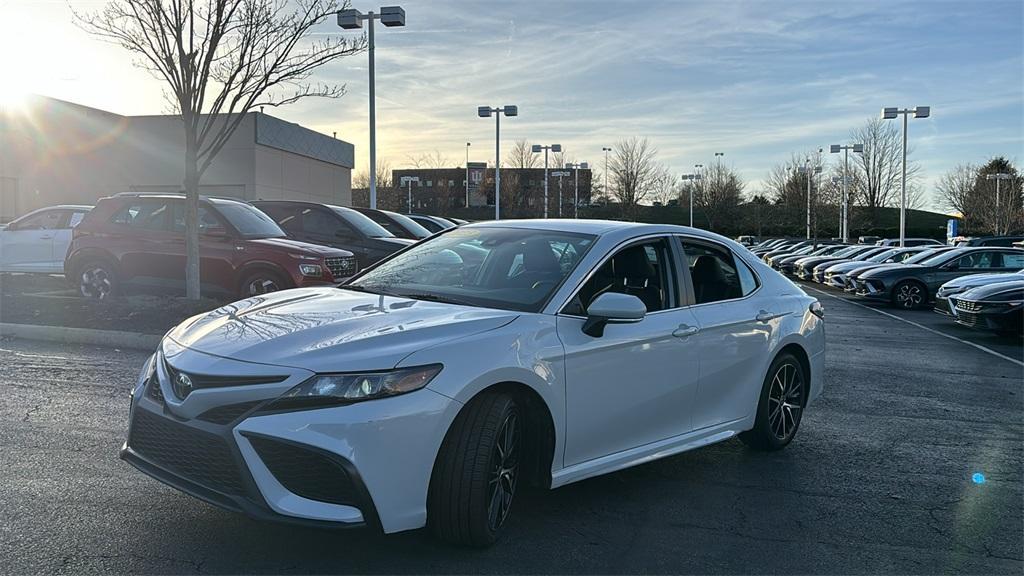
point(229, 413)
point(963, 305)
point(342, 267)
point(306, 472)
point(967, 318)
point(195, 455)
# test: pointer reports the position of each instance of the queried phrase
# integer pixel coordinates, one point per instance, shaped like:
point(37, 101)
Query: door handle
point(765, 316)
point(685, 330)
point(46, 237)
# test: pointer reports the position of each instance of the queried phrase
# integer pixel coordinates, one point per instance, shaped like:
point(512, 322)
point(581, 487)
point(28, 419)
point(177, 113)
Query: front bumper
point(1002, 319)
point(945, 305)
point(835, 280)
point(360, 465)
point(872, 290)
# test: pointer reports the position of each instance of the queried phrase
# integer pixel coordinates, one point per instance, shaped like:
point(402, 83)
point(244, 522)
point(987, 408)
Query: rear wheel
point(477, 472)
point(97, 280)
point(261, 282)
point(909, 295)
point(780, 407)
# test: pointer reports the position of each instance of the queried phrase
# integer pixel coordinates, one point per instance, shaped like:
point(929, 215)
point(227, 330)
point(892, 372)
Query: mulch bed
point(46, 301)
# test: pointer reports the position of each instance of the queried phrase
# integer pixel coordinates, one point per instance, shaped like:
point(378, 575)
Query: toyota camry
point(429, 389)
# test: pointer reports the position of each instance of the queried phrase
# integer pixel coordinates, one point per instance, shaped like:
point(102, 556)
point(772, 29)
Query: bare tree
point(521, 156)
point(664, 187)
point(632, 169)
point(880, 166)
point(954, 189)
point(362, 178)
point(999, 215)
point(718, 193)
point(221, 59)
point(430, 160)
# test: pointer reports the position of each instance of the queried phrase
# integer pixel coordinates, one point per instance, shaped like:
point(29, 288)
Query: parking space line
point(921, 326)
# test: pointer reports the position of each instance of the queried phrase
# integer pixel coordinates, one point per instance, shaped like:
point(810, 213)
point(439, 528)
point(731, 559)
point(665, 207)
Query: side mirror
point(612, 308)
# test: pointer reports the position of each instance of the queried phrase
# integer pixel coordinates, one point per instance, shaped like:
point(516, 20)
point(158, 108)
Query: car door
point(217, 252)
point(736, 326)
point(62, 239)
point(636, 383)
point(28, 243)
point(151, 255)
point(974, 262)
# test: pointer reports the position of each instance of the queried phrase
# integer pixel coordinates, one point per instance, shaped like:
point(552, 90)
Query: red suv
point(139, 240)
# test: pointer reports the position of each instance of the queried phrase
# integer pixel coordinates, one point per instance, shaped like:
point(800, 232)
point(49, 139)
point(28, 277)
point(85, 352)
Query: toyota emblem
point(182, 385)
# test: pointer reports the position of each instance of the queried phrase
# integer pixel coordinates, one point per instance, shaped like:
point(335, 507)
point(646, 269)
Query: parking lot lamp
point(606, 150)
point(407, 181)
point(806, 169)
point(560, 174)
point(537, 148)
point(575, 167)
point(844, 216)
point(468, 144)
point(997, 178)
point(698, 177)
point(691, 178)
point(485, 112)
point(353, 19)
point(891, 114)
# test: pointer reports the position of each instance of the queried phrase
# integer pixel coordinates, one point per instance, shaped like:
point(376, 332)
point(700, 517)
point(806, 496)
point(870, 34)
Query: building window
point(430, 183)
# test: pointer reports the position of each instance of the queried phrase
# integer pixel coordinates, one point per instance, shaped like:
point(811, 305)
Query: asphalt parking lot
point(885, 476)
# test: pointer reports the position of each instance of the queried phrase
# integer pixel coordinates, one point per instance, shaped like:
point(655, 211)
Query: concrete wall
point(56, 152)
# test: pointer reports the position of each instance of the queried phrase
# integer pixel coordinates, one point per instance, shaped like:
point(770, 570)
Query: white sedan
point(38, 241)
point(430, 387)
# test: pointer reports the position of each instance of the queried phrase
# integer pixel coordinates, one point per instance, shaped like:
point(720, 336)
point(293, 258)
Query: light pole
point(559, 174)
point(468, 144)
point(353, 19)
point(997, 177)
point(575, 167)
point(718, 156)
point(485, 112)
point(806, 169)
point(606, 150)
point(536, 149)
point(891, 114)
point(691, 177)
point(844, 216)
point(407, 181)
point(699, 178)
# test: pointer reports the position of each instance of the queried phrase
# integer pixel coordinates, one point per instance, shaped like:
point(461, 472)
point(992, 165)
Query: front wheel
point(780, 407)
point(909, 295)
point(261, 282)
point(477, 472)
point(97, 280)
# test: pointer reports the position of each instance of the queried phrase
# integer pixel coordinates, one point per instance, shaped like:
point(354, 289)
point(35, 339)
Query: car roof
point(601, 227)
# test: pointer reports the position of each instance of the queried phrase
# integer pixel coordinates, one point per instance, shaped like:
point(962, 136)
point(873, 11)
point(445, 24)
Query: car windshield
point(249, 221)
point(409, 224)
point(488, 266)
point(362, 223)
point(850, 250)
point(881, 257)
point(941, 257)
point(923, 255)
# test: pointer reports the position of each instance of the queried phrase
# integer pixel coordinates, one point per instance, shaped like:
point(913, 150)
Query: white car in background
point(429, 387)
point(38, 241)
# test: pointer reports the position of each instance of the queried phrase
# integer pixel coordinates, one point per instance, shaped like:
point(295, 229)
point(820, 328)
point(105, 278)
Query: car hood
point(884, 268)
point(990, 290)
point(298, 247)
point(974, 280)
point(328, 329)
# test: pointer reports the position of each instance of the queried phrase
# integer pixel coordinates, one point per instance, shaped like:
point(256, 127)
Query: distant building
point(57, 152)
point(437, 190)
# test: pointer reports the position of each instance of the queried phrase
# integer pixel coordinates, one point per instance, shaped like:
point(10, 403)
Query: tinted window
point(978, 260)
point(250, 222)
point(409, 224)
point(642, 270)
point(147, 215)
point(1013, 260)
point(367, 227)
point(208, 221)
point(713, 272)
point(49, 220)
point(322, 222)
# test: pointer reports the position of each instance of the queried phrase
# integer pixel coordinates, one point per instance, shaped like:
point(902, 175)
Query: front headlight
point(334, 389)
point(310, 270)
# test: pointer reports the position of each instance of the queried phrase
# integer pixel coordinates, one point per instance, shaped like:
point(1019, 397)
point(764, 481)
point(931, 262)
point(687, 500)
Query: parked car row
point(138, 240)
point(980, 284)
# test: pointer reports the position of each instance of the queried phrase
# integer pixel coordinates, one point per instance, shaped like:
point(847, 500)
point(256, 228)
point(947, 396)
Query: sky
point(755, 80)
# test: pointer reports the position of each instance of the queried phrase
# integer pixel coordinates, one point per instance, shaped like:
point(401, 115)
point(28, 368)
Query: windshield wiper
point(434, 298)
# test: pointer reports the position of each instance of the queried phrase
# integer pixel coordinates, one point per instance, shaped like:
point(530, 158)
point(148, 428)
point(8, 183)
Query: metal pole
point(467, 174)
point(497, 165)
point(606, 192)
point(559, 196)
point(409, 187)
point(373, 123)
point(546, 181)
point(999, 226)
point(903, 186)
point(576, 194)
point(845, 226)
point(692, 184)
point(808, 165)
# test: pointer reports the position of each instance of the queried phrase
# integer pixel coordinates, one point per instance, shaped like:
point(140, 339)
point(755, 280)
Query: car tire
point(909, 295)
point(261, 282)
point(780, 406)
point(97, 280)
point(477, 472)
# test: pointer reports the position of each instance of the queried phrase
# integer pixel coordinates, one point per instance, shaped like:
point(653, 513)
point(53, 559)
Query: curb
point(112, 338)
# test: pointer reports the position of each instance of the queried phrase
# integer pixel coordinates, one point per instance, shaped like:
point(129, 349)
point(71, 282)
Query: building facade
point(57, 152)
point(440, 190)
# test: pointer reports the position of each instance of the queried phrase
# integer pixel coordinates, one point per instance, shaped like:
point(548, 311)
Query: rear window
point(143, 215)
